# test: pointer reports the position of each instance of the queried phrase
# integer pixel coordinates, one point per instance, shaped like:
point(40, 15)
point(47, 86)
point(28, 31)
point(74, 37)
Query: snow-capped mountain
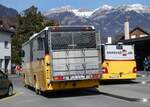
point(83, 12)
point(77, 12)
point(101, 10)
point(135, 7)
point(59, 10)
point(108, 19)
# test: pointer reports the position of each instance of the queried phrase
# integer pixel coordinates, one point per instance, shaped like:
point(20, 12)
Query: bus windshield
point(73, 40)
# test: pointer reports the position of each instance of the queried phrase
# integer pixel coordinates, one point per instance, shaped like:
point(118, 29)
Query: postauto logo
point(122, 52)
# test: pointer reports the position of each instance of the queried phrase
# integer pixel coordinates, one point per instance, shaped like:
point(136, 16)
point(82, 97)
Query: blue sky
point(44, 5)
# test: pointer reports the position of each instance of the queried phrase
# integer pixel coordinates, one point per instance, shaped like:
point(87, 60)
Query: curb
point(127, 98)
point(141, 75)
point(15, 94)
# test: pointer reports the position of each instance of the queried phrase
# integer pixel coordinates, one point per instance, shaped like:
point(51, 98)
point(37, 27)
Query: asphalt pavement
point(115, 94)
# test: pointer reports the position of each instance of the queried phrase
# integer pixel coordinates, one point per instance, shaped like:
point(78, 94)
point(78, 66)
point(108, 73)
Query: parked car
point(6, 86)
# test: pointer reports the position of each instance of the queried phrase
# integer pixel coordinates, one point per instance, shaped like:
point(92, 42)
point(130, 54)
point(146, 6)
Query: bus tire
point(37, 91)
point(26, 86)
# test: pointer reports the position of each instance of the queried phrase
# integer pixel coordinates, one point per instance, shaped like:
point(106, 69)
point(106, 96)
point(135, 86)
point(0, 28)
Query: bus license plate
point(114, 76)
point(77, 77)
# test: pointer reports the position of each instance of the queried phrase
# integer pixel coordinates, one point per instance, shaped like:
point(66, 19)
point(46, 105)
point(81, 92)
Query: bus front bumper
point(130, 76)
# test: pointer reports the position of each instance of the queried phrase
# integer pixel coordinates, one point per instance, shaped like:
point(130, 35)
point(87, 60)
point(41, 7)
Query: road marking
point(10, 97)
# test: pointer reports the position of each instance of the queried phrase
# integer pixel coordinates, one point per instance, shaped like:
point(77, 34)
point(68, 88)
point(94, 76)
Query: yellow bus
point(118, 62)
point(61, 58)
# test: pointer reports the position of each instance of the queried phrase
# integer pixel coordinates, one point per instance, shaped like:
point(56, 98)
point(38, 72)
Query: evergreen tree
point(28, 23)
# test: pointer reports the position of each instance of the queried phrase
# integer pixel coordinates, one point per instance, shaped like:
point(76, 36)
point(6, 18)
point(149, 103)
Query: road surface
point(109, 94)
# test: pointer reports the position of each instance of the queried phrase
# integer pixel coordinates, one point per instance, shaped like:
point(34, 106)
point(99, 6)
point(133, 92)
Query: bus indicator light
point(134, 70)
point(58, 77)
point(104, 70)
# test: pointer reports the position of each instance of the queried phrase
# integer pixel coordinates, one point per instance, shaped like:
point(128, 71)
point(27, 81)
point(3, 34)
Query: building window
point(6, 44)
point(1, 60)
point(143, 35)
point(133, 36)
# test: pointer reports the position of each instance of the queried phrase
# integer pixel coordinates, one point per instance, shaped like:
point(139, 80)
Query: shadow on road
point(117, 82)
point(5, 96)
point(72, 93)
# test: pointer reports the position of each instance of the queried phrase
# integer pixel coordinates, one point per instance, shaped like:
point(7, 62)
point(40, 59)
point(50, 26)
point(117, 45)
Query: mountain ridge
point(108, 19)
point(8, 16)
point(135, 7)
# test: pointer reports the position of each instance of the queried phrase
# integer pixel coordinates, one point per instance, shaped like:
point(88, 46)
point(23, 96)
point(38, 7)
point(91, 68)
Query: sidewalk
point(143, 73)
point(13, 76)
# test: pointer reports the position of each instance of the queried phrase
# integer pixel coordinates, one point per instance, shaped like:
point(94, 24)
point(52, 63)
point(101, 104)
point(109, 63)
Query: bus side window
point(26, 53)
point(31, 51)
point(40, 43)
point(40, 47)
point(103, 52)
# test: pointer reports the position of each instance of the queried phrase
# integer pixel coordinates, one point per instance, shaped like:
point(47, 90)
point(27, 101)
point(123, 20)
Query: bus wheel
point(37, 91)
point(26, 86)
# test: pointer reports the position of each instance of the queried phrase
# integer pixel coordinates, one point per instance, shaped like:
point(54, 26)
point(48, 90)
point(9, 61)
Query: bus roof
point(71, 28)
point(61, 29)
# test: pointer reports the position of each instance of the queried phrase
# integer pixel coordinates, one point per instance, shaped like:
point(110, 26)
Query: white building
point(5, 49)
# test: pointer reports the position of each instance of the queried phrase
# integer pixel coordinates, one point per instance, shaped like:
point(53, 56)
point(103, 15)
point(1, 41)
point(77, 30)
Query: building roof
point(120, 37)
point(140, 30)
point(136, 39)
